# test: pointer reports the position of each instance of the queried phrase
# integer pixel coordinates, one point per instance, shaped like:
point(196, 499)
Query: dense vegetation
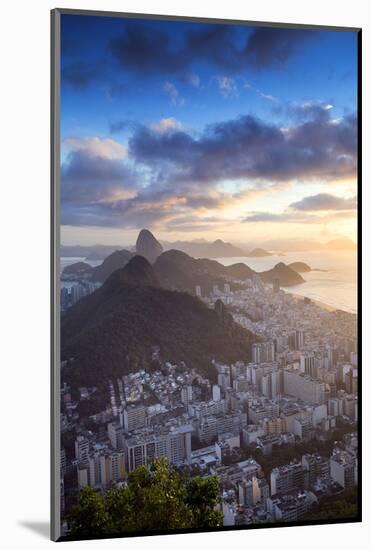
point(116, 260)
point(343, 506)
point(300, 267)
point(157, 498)
point(112, 331)
point(79, 268)
point(284, 273)
point(177, 270)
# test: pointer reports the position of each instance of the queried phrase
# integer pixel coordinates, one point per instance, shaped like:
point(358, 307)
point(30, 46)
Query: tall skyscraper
point(134, 417)
point(216, 392)
point(263, 352)
point(82, 447)
point(186, 394)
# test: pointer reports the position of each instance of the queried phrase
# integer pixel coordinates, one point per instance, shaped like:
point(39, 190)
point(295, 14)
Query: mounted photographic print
point(205, 362)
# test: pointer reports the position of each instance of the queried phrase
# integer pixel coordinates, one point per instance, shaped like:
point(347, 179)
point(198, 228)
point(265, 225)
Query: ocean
point(336, 287)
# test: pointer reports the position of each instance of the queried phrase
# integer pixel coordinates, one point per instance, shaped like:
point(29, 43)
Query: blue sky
point(197, 130)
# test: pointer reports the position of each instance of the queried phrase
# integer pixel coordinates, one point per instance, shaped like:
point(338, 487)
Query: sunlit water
point(336, 287)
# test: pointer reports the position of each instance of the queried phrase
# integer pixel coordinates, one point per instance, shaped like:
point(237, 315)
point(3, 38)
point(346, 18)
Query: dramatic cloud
point(148, 49)
point(96, 147)
point(288, 216)
point(118, 126)
point(264, 47)
point(285, 217)
point(324, 201)
point(145, 46)
point(168, 174)
point(248, 148)
point(95, 174)
point(273, 46)
point(81, 74)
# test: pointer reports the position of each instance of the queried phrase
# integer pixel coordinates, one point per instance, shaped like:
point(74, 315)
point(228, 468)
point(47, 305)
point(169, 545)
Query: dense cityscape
point(296, 397)
point(208, 293)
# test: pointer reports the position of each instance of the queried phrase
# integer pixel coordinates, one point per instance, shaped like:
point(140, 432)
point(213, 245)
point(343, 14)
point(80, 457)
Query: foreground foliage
point(155, 499)
point(343, 506)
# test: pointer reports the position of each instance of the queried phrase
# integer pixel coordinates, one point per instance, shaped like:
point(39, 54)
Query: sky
point(210, 131)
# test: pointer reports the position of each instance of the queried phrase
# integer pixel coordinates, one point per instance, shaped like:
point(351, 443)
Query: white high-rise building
point(216, 392)
point(224, 379)
point(175, 445)
point(307, 363)
point(303, 387)
point(299, 338)
point(249, 492)
point(186, 394)
point(105, 468)
point(343, 468)
point(333, 407)
point(116, 466)
point(263, 352)
point(286, 478)
point(82, 476)
point(134, 417)
point(82, 447)
point(115, 435)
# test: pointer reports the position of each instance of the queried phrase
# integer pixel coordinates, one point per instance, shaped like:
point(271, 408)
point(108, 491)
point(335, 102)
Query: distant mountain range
point(92, 252)
point(216, 249)
point(112, 331)
point(78, 269)
point(286, 275)
point(205, 249)
point(179, 271)
point(259, 253)
point(300, 267)
point(295, 245)
point(116, 260)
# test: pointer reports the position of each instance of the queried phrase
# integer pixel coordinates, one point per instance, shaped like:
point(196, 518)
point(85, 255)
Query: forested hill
point(112, 331)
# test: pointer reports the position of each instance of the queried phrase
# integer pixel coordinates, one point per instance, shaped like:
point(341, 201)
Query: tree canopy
point(157, 498)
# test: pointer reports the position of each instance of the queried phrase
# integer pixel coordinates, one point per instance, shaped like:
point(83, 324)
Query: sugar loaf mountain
point(147, 300)
point(178, 270)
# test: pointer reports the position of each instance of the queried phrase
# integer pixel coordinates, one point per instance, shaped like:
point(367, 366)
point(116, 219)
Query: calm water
point(336, 287)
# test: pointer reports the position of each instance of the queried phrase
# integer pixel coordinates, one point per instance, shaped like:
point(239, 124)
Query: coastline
point(66, 260)
point(331, 284)
point(320, 303)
